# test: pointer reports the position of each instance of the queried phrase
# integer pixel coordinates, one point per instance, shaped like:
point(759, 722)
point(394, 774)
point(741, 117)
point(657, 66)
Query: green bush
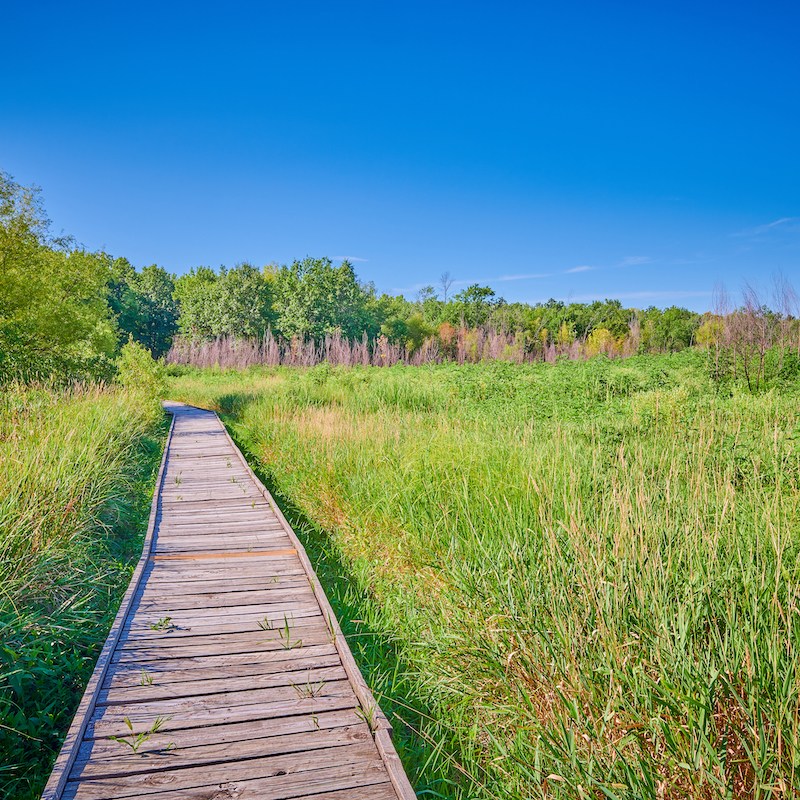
point(138, 370)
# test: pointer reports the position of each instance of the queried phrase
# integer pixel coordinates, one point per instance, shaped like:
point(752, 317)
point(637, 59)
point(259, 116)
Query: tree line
point(67, 311)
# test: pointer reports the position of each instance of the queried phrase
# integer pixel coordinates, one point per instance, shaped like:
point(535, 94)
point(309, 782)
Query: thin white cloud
point(348, 258)
point(524, 277)
point(784, 224)
point(635, 261)
point(582, 268)
point(410, 290)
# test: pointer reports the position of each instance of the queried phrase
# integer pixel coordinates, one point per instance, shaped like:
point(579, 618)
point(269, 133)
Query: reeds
point(76, 469)
point(465, 346)
point(591, 571)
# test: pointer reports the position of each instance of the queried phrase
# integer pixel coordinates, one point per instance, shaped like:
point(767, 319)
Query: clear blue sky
point(644, 151)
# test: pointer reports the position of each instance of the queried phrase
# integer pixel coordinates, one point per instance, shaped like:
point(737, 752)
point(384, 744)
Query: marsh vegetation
point(585, 575)
point(76, 476)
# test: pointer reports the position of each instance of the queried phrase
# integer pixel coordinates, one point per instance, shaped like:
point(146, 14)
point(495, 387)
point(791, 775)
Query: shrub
point(138, 370)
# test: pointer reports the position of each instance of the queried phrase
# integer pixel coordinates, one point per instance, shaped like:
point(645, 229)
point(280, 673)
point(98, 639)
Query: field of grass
point(76, 477)
point(573, 580)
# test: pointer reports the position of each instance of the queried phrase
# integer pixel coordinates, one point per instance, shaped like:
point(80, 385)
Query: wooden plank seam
point(243, 554)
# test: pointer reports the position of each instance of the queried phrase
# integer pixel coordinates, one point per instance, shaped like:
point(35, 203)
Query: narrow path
point(225, 674)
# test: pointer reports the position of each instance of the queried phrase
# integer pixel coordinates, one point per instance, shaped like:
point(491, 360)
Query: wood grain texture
point(226, 674)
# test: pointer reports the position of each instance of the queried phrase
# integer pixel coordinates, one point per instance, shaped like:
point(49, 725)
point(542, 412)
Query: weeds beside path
point(76, 479)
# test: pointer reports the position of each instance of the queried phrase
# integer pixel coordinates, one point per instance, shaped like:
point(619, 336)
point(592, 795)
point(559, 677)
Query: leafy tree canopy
point(313, 297)
point(54, 315)
point(235, 302)
point(144, 305)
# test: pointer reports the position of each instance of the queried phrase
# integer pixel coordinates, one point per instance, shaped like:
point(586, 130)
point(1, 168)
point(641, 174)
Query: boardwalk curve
point(225, 674)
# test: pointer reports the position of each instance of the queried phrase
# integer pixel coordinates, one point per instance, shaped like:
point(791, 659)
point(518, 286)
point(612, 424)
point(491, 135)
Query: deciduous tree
point(54, 313)
point(314, 297)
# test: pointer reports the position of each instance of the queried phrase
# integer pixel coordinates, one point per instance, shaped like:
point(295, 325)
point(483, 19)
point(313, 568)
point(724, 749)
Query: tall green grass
point(588, 572)
point(76, 477)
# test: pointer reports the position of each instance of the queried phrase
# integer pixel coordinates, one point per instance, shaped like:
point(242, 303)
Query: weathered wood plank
point(256, 525)
point(225, 619)
point(221, 503)
point(286, 777)
point(230, 584)
point(203, 532)
point(223, 734)
point(113, 721)
point(275, 565)
point(230, 592)
point(197, 669)
point(154, 600)
point(237, 555)
point(309, 680)
point(189, 643)
point(267, 544)
point(214, 541)
point(105, 758)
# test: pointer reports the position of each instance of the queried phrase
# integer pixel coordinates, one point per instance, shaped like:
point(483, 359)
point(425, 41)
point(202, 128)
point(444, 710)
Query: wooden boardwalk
point(225, 656)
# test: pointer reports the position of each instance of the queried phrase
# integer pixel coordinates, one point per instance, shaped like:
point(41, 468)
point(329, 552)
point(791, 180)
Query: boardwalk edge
point(69, 750)
point(378, 723)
